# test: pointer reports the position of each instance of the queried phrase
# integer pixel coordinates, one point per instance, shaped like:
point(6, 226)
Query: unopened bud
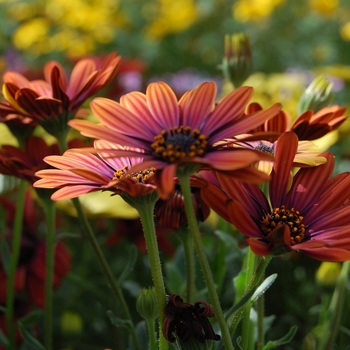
point(146, 304)
point(309, 342)
point(237, 62)
point(316, 96)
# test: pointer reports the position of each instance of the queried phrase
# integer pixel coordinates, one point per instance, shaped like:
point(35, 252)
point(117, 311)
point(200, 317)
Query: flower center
point(179, 143)
point(283, 216)
point(265, 148)
point(140, 176)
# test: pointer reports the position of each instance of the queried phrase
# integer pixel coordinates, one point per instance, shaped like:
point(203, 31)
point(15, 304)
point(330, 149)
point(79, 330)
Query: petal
point(200, 103)
point(69, 192)
point(286, 148)
point(327, 254)
point(242, 220)
point(308, 185)
point(47, 73)
point(162, 103)
point(164, 180)
point(121, 120)
point(259, 247)
point(231, 107)
point(231, 159)
point(136, 103)
point(80, 75)
point(246, 123)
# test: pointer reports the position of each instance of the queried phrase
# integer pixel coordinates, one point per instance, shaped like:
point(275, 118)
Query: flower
point(307, 212)
point(171, 212)
point(80, 173)
point(56, 99)
point(24, 163)
point(172, 134)
point(187, 320)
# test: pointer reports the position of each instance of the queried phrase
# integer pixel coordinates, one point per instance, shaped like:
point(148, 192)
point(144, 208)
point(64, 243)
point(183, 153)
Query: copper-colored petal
point(200, 104)
point(231, 107)
point(57, 88)
point(163, 104)
point(70, 192)
point(286, 149)
point(164, 180)
point(259, 247)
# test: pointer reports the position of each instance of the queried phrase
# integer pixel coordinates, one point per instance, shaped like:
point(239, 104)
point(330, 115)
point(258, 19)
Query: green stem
point(151, 334)
point(15, 252)
point(184, 180)
point(246, 323)
point(50, 212)
point(261, 312)
point(145, 206)
point(105, 268)
point(187, 243)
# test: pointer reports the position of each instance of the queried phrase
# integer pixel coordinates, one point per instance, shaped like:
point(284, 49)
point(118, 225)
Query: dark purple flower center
point(179, 143)
point(140, 176)
point(284, 216)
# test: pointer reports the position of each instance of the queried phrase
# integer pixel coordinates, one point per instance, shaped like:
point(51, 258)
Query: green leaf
point(240, 304)
point(118, 322)
point(239, 284)
point(29, 338)
point(3, 340)
point(174, 279)
point(284, 340)
point(130, 263)
point(30, 318)
point(264, 286)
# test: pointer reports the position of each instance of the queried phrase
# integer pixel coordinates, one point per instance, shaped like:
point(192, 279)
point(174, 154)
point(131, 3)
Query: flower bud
point(327, 274)
point(309, 342)
point(316, 96)
point(71, 323)
point(146, 304)
point(237, 62)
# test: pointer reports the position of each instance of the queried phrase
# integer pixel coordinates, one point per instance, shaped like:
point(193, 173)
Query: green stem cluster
point(184, 180)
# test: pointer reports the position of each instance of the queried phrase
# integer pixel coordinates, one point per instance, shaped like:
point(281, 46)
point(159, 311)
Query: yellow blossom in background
point(323, 7)
point(345, 31)
point(168, 16)
point(254, 10)
point(75, 27)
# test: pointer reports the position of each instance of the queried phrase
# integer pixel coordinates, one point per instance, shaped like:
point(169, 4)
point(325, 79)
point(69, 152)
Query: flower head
point(172, 134)
point(185, 321)
point(307, 212)
point(56, 99)
point(80, 173)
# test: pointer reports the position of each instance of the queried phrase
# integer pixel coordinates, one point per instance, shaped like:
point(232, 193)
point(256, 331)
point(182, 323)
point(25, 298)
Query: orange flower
point(56, 97)
point(172, 134)
point(309, 212)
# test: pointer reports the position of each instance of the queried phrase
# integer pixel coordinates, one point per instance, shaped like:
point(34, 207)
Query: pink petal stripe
point(231, 107)
point(286, 149)
point(231, 159)
point(162, 103)
point(136, 103)
point(73, 192)
point(99, 131)
point(79, 76)
point(58, 176)
point(91, 175)
point(244, 124)
point(199, 105)
point(118, 118)
point(48, 183)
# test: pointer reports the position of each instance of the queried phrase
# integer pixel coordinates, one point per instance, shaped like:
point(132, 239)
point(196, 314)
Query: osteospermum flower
point(172, 134)
point(80, 173)
point(55, 100)
point(308, 213)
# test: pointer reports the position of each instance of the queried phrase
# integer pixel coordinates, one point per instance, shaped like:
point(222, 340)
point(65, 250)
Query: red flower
point(307, 212)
